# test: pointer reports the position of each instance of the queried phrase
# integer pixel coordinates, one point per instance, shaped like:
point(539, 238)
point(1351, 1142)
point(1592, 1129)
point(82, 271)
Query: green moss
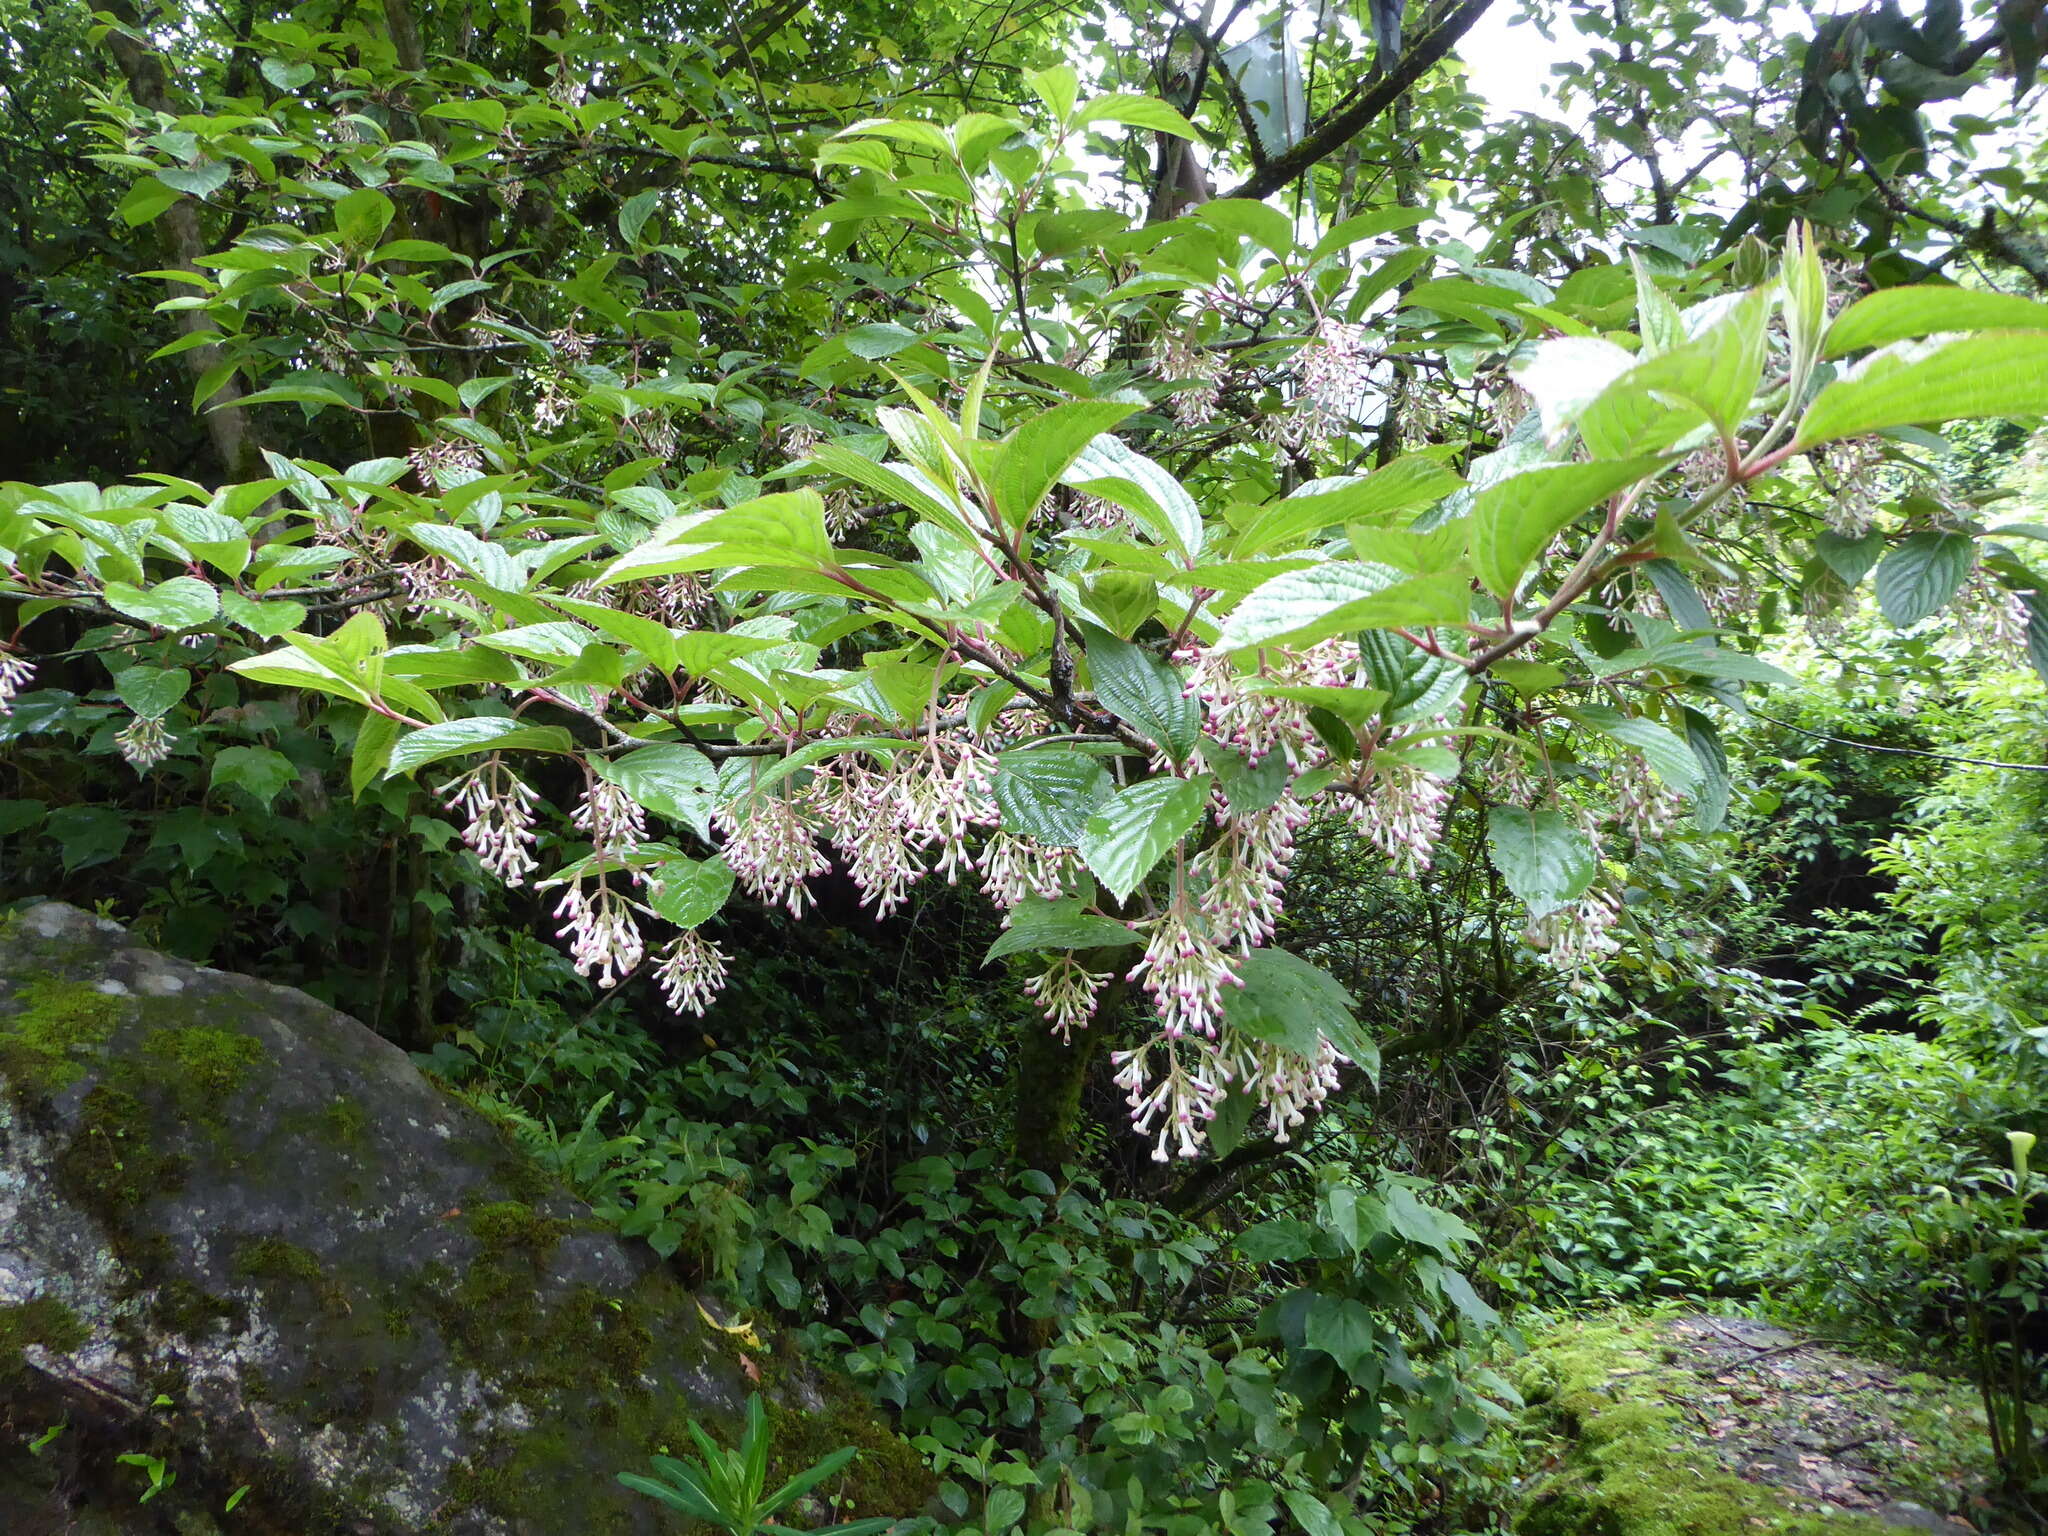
point(59, 1023)
point(345, 1124)
point(45, 1321)
point(277, 1260)
point(506, 1226)
point(112, 1164)
point(1629, 1469)
point(204, 1068)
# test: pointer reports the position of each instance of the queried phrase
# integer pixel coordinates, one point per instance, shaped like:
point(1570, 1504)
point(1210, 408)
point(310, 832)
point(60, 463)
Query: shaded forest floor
point(1689, 1425)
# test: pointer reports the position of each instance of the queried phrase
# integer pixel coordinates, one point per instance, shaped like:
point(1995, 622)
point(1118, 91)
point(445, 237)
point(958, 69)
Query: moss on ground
point(1629, 1469)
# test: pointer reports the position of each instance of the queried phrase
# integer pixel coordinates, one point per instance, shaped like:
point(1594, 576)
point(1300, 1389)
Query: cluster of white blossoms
point(771, 847)
point(604, 938)
point(893, 824)
point(1289, 1085)
point(144, 742)
point(15, 675)
point(1184, 969)
point(1239, 716)
point(447, 462)
point(1065, 992)
point(1243, 874)
point(1180, 1100)
point(1855, 468)
point(1333, 387)
point(1196, 376)
point(1400, 812)
point(1575, 939)
point(691, 973)
point(1013, 868)
point(1645, 808)
point(497, 809)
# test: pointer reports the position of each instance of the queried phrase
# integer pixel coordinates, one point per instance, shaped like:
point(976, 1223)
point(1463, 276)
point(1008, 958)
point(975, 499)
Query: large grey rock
point(356, 1295)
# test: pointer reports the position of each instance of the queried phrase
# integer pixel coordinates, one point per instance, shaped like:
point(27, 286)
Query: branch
point(1344, 124)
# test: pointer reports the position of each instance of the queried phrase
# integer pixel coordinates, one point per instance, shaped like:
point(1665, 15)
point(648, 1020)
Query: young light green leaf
point(361, 216)
point(1135, 111)
point(1513, 519)
point(1130, 835)
point(1901, 314)
point(1661, 747)
point(480, 733)
point(1338, 596)
point(1030, 461)
point(1999, 373)
point(183, 602)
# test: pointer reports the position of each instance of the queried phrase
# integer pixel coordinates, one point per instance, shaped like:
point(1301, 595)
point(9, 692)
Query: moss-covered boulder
point(241, 1235)
point(1683, 1425)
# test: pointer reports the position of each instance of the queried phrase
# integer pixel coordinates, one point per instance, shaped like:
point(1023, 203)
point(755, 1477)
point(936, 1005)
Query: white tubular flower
point(691, 973)
point(1401, 813)
point(1014, 867)
point(1195, 376)
point(497, 809)
point(769, 846)
point(445, 463)
point(1287, 1085)
point(1243, 874)
point(1855, 466)
point(604, 940)
point(1258, 723)
point(1185, 971)
point(842, 515)
point(610, 817)
point(1065, 992)
point(1644, 806)
point(144, 743)
point(863, 811)
point(15, 675)
point(1183, 1100)
point(1574, 940)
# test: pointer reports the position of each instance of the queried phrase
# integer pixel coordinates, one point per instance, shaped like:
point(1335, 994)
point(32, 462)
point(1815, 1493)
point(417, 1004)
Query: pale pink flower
point(144, 742)
point(498, 819)
point(604, 940)
point(691, 972)
point(1184, 970)
point(15, 675)
point(1065, 992)
point(1013, 868)
point(610, 817)
point(770, 847)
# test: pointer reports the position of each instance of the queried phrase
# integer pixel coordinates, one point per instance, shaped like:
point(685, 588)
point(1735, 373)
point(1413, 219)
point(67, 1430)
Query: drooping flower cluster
point(1196, 377)
point(15, 675)
point(447, 462)
point(771, 847)
point(1243, 874)
point(604, 940)
point(1288, 1084)
point(1065, 992)
point(1240, 716)
point(1575, 939)
point(1181, 1100)
point(1184, 970)
point(1013, 868)
point(1854, 468)
point(893, 824)
point(144, 742)
point(497, 809)
point(691, 972)
point(1400, 811)
point(1645, 807)
point(611, 818)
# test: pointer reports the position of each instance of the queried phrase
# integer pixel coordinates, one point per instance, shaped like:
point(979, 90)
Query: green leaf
point(151, 691)
point(1917, 578)
point(1289, 1002)
point(1546, 861)
point(676, 782)
point(258, 772)
point(2000, 373)
point(1135, 111)
point(687, 892)
point(634, 213)
point(202, 180)
point(1514, 519)
point(2037, 633)
point(1311, 1513)
point(1131, 834)
point(1143, 691)
point(1048, 793)
point(1850, 559)
point(1405, 485)
point(1038, 924)
point(1710, 801)
point(1261, 223)
point(1338, 596)
point(1341, 1327)
point(880, 340)
point(286, 77)
point(183, 602)
point(375, 738)
point(362, 216)
point(1059, 87)
point(146, 200)
point(1901, 314)
point(1662, 748)
point(1110, 468)
point(1712, 379)
point(481, 733)
point(1030, 461)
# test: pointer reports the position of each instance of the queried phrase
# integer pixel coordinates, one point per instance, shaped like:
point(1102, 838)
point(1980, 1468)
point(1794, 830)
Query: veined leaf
point(1545, 860)
point(1662, 748)
point(1143, 691)
point(1030, 461)
point(1064, 924)
point(1999, 373)
point(1917, 578)
point(676, 782)
point(1338, 596)
point(1048, 793)
point(480, 733)
point(1131, 834)
point(1901, 314)
point(1513, 519)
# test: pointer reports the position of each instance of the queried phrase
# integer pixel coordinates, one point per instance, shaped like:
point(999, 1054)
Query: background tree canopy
point(831, 610)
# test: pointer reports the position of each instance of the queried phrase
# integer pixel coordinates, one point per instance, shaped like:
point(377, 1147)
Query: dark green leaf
point(1545, 860)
